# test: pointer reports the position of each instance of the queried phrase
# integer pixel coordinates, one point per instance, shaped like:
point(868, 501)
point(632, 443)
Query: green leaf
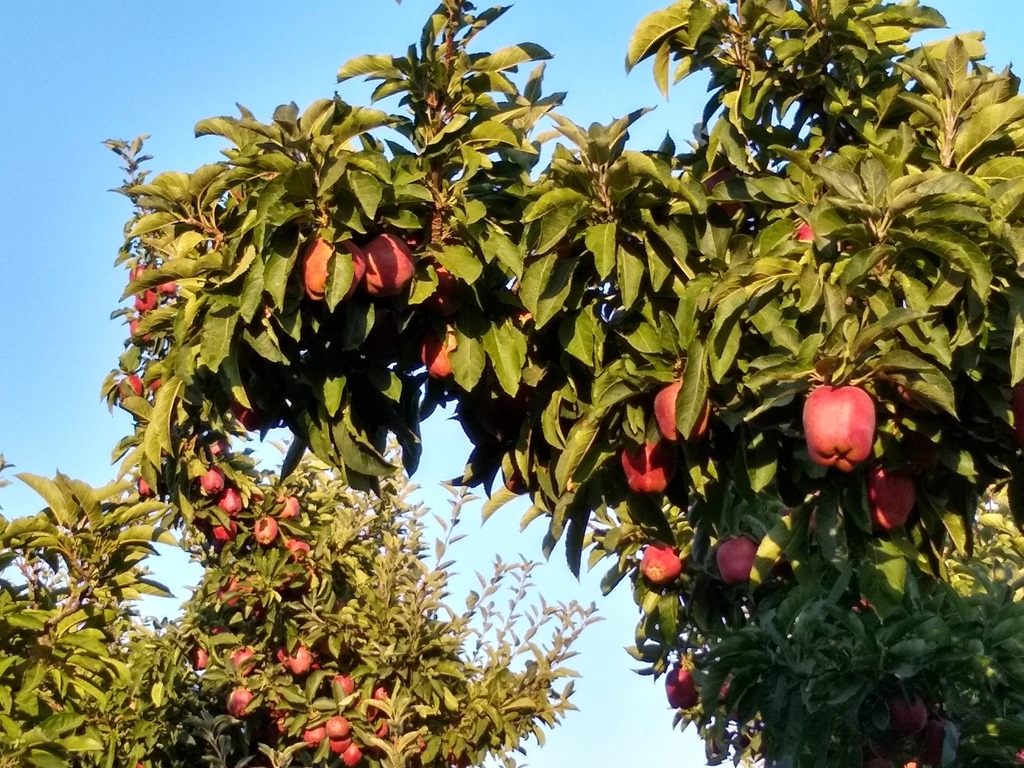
point(653, 30)
point(506, 348)
point(461, 262)
point(582, 438)
point(983, 126)
point(340, 274)
point(508, 57)
point(367, 190)
point(600, 241)
point(770, 550)
point(883, 576)
point(50, 493)
point(218, 332)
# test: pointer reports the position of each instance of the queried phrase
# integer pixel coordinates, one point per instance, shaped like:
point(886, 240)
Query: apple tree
point(772, 377)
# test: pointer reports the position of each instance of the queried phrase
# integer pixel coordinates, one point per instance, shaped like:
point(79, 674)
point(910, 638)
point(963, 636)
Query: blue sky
point(75, 74)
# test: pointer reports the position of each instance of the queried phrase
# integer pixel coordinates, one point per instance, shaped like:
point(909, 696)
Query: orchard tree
point(772, 377)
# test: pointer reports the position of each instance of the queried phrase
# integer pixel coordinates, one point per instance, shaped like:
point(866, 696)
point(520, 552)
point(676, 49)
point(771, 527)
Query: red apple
point(338, 728)
point(230, 501)
point(136, 272)
point(665, 413)
point(290, 508)
point(251, 419)
point(382, 731)
point(352, 755)
point(891, 497)
point(1017, 408)
point(389, 266)
point(346, 683)
point(380, 694)
point(804, 233)
point(680, 688)
point(313, 736)
point(212, 481)
point(239, 701)
point(445, 299)
point(131, 385)
point(649, 468)
point(339, 746)
point(241, 660)
point(265, 531)
point(144, 490)
point(298, 548)
point(316, 261)
point(169, 288)
point(146, 301)
point(224, 534)
point(735, 559)
point(298, 663)
point(199, 658)
point(907, 717)
point(660, 564)
point(716, 178)
point(936, 732)
point(839, 426)
point(434, 354)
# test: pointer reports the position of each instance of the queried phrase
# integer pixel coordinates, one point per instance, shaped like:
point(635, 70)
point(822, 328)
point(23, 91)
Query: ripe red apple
point(199, 658)
point(265, 531)
point(290, 508)
point(136, 272)
point(224, 534)
point(212, 482)
point(716, 178)
point(251, 419)
point(315, 263)
point(241, 660)
point(382, 731)
point(434, 354)
point(239, 701)
point(168, 289)
point(839, 426)
point(804, 233)
point(131, 385)
point(230, 501)
point(298, 548)
point(445, 299)
point(649, 468)
point(313, 736)
point(339, 746)
point(352, 755)
point(379, 694)
point(389, 266)
point(145, 301)
point(891, 497)
point(298, 663)
point(665, 413)
point(681, 689)
point(144, 490)
point(346, 683)
point(934, 739)
point(907, 717)
point(660, 564)
point(338, 728)
point(735, 559)
point(1017, 408)
point(155, 384)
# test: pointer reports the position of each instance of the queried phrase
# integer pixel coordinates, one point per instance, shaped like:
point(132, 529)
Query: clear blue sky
point(77, 73)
